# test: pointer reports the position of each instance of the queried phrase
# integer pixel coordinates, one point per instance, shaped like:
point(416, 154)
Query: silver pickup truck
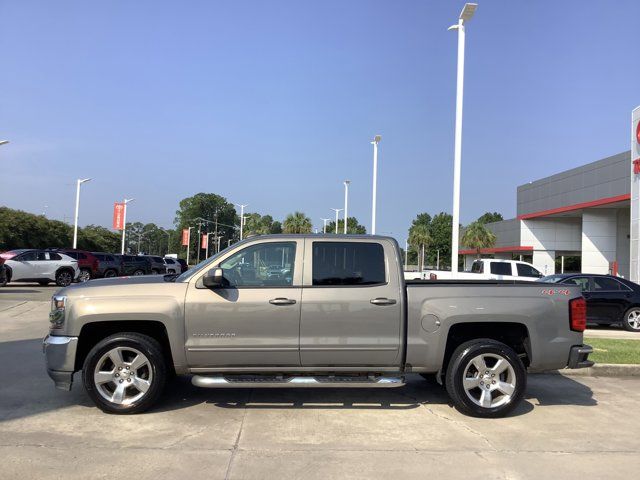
point(311, 311)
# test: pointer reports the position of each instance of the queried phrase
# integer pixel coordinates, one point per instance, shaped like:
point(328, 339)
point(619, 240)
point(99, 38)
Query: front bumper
point(60, 355)
point(579, 356)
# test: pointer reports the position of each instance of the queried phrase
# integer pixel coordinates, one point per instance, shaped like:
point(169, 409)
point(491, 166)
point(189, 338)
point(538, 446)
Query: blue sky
point(274, 103)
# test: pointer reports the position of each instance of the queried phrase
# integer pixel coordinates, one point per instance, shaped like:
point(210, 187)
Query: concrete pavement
point(566, 428)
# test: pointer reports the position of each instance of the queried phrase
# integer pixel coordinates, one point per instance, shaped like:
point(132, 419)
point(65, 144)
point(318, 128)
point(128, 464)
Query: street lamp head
point(347, 182)
point(83, 180)
point(4, 142)
point(467, 11)
point(377, 138)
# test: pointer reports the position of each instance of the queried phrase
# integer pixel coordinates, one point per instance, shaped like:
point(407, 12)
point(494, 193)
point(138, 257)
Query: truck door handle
point(383, 301)
point(282, 301)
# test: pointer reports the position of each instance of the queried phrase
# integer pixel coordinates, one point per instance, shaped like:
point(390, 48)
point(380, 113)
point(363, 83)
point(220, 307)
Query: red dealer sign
point(118, 216)
point(185, 237)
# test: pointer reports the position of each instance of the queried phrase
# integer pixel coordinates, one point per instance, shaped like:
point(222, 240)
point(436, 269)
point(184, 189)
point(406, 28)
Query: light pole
point(188, 243)
point(241, 218)
point(324, 226)
point(124, 220)
point(4, 142)
point(406, 254)
point(168, 239)
point(337, 210)
point(79, 182)
point(376, 141)
point(466, 14)
point(346, 204)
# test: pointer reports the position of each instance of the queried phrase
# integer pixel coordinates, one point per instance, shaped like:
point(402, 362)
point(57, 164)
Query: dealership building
point(577, 220)
point(586, 219)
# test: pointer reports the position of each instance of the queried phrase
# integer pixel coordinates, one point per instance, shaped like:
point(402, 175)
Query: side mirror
point(214, 278)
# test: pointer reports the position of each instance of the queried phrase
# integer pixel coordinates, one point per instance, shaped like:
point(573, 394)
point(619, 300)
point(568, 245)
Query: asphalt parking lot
point(566, 428)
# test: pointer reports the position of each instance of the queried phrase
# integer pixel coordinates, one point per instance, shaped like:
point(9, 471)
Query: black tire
point(137, 273)
point(110, 273)
point(43, 283)
point(64, 277)
point(155, 272)
point(460, 365)
point(6, 277)
point(631, 320)
point(157, 371)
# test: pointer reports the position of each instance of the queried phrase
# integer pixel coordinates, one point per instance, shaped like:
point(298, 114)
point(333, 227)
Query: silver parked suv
point(40, 266)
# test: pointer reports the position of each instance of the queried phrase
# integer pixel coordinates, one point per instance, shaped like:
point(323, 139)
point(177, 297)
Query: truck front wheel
point(125, 373)
point(485, 378)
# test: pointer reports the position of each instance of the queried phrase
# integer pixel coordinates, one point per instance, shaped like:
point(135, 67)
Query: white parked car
point(483, 269)
point(40, 266)
point(172, 265)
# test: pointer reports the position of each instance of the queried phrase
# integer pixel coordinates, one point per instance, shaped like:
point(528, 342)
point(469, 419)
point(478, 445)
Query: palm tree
point(297, 222)
point(420, 239)
point(477, 236)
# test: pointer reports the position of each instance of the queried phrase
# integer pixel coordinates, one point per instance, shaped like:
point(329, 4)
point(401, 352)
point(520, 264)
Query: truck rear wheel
point(486, 378)
point(125, 373)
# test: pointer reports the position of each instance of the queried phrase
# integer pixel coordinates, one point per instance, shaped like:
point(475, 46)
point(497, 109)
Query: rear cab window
point(500, 268)
point(348, 264)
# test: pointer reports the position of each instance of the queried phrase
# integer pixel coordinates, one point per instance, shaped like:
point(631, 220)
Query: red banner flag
point(185, 237)
point(118, 216)
point(204, 240)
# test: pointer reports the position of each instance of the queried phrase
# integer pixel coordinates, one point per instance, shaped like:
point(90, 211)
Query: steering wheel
point(233, 276)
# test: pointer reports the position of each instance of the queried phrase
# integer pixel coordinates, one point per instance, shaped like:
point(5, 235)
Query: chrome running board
point(264, 381)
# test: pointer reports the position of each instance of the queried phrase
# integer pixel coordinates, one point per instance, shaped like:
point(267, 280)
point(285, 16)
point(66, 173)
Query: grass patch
point(607, 350)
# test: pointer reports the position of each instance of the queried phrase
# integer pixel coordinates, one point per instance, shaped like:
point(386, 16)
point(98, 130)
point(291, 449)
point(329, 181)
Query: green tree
point(276, 227)
point(201, 211)
point(255, 224)
point(419, 239)
point(297, 222)
point(95, 238)
point(490, 217)
point(353, 227)
point(477, 236)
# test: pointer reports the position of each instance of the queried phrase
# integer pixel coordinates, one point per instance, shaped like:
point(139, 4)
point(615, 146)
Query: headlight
point(58, 305)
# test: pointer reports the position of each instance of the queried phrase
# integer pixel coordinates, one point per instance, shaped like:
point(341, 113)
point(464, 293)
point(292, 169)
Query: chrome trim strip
point(301, 382)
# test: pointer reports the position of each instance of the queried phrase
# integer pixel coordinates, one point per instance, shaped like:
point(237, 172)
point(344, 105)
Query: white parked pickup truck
point(483, 269)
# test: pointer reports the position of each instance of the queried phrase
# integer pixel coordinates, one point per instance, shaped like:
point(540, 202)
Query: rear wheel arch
point(513, 334)
point(94, 332)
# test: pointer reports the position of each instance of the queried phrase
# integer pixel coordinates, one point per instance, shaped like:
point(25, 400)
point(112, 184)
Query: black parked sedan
point(609, 299)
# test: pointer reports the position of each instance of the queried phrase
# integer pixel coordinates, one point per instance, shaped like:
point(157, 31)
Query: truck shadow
point(542, 390)
point(31, 392)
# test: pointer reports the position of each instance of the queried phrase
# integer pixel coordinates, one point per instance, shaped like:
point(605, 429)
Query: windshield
point(196, 268)
point(551, 278)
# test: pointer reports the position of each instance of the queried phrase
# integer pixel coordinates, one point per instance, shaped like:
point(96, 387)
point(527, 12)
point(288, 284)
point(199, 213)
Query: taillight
point(578, 314)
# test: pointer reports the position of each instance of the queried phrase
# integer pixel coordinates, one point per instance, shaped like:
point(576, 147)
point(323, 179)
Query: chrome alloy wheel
point(85, 276)
point(633, 319)
point(123, 375)
point(489, 380)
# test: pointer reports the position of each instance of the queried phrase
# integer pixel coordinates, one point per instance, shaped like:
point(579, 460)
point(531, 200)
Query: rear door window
point(525, 270)
point(605, 284)
point(582, 282)
point(500, 268)
point(348, 263)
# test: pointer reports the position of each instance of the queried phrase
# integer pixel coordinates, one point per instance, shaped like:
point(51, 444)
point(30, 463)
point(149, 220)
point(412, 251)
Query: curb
point(601, 370)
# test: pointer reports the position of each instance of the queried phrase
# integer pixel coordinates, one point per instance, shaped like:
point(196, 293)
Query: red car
point(87, 262)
